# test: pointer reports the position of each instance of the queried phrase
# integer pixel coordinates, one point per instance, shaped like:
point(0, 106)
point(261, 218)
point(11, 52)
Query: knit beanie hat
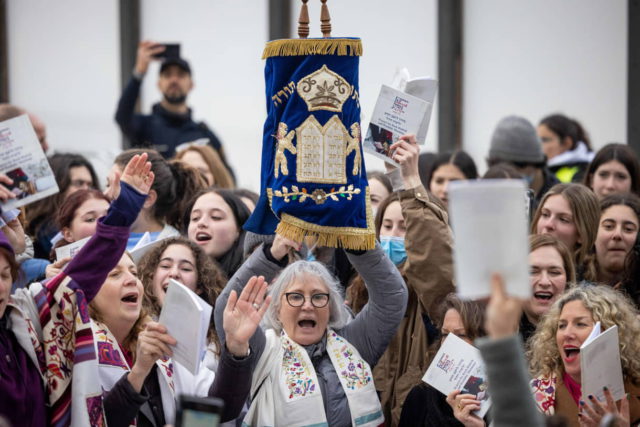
point(515, 140)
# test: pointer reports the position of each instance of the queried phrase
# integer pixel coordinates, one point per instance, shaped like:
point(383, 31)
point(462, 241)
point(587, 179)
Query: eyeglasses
point(296, 299)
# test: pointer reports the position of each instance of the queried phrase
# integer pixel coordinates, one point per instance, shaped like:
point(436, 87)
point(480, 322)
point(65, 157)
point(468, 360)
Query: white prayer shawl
point(288, 392)
point(173, 378)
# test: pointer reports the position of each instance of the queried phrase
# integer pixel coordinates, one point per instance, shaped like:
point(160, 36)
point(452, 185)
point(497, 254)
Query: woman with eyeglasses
point(308, 365)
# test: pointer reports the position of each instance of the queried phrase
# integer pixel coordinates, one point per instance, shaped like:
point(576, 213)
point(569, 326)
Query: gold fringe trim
point(346, 237)
point(297, 47)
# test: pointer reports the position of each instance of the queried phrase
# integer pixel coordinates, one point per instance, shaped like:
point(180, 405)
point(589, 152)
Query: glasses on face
point(296, 299)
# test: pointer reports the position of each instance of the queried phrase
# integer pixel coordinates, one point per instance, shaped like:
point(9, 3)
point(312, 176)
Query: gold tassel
point(298, 47)
point(328, 239)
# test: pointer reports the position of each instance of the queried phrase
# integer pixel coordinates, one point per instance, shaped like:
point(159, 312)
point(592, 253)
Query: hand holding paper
point(186, 317)
point(458, 366)
point(153, 343)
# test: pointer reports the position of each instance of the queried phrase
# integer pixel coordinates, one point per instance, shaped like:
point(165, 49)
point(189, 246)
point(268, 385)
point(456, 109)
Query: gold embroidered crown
point(324, 90)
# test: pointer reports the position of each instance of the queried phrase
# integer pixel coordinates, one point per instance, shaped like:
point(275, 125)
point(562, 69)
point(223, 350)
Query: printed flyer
point(22, 160)
point(458, 366)
point(396, 113)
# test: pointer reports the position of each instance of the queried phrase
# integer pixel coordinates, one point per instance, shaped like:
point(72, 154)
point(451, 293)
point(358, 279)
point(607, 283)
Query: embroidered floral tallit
point(286, 390)
point(544, 393)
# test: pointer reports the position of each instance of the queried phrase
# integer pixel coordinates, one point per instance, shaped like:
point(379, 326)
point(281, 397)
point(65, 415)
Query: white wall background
point(64, 66)
point(526, 57)
point(223, 41)
point(533, 58)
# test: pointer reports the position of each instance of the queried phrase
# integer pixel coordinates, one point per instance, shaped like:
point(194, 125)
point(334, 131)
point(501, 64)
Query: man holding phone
point(170, 123)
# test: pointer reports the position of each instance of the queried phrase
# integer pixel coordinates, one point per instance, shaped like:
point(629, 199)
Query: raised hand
point(243, 314)
point(137, 174)
point(503, 312)
point(282, 245)
point(463, 406)
point(5, 194)
point(146, 51)
point(406, 152)
point(153, 344)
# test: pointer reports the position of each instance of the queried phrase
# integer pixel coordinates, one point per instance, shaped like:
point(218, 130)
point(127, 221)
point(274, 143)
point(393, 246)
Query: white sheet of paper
point(71, 249)
point(186, 317)
point(22, 159)
point(459, 366)
point(140, 250)
point(490, 234)
point(600, 365)
point(144, 240)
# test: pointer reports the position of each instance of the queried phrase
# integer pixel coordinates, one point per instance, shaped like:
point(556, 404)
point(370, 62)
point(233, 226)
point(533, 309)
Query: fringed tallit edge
point(297, 47)
point(335, 237)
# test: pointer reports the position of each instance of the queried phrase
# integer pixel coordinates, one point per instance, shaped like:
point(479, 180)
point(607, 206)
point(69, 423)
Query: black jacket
point(162, 129)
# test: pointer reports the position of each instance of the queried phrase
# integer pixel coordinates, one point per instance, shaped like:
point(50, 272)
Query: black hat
point(175, 61)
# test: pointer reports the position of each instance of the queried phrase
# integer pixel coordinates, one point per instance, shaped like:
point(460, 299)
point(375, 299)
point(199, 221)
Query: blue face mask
point(394, 248)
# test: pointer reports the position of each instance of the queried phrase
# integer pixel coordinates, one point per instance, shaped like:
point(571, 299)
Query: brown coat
point(566, 407)
point(428, 272)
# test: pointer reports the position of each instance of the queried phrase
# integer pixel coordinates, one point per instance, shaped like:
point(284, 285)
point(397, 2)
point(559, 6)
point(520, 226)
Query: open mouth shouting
point(202, 237)
point(131, 298)
point(570, 353)
point(543, 296)
point(307, 324)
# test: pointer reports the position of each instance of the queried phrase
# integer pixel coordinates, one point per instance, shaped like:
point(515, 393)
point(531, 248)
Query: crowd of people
point(302, 334)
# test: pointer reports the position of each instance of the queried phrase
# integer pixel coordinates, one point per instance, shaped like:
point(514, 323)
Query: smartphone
point(198, 411)
point(171, 50)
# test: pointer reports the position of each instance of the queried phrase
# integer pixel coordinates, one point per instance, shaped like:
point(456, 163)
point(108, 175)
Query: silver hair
point(338, 315)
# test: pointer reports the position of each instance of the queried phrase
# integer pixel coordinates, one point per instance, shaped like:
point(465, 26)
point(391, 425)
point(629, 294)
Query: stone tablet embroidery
point(323, 151)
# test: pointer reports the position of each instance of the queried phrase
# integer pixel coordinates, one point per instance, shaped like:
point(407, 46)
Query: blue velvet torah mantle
point(313, 179)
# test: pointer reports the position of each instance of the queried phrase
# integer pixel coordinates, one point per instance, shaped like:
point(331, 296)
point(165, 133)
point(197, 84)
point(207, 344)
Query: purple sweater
point(22, 394)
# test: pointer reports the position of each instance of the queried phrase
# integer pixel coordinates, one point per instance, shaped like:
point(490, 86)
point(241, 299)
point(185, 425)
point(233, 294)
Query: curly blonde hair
point(609, 307)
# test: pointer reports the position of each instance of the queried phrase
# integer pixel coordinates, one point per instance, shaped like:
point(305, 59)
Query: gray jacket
point(511, 397)
point(370, 332)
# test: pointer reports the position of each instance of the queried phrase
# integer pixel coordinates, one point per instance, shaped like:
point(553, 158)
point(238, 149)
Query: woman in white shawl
point(309, 366)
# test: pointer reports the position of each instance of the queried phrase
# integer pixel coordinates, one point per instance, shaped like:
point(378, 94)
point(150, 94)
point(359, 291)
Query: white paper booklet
point(490, 234)
point(395, 114)
point(600, 364)
point(458, 366)
point(144, 245)
point(71, 249)
point(186, 317)
point(22, 160)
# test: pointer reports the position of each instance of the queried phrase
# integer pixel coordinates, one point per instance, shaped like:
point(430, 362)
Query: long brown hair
point(210, 279)
point(585, 210)
point(175, 184)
